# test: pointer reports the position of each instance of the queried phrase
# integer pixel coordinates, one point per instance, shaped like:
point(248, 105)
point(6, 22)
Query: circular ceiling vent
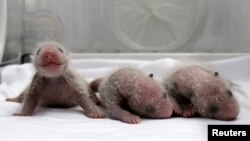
point(46, 26)
point(155, 24)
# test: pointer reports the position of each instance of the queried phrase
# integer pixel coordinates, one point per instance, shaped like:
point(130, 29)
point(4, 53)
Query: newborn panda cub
point(55, 84)
point(128, 93)
point(195, 90)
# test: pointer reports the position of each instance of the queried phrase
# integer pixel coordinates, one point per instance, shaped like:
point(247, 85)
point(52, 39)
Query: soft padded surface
point(71, 124)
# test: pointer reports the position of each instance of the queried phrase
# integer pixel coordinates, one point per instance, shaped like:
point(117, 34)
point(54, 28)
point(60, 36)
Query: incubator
point(111, 27)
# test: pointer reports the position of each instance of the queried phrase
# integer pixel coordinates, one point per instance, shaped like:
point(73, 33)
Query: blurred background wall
point(90, 26)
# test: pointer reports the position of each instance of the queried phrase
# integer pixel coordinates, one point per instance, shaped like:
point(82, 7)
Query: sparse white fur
point(55, 84)
point(62, 56)
point(228, 83)
point(79, 79)
point(54, 43)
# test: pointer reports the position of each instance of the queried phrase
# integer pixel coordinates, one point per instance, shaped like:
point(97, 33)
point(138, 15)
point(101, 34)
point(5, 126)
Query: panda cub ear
point(151, 75)
point(216, 73)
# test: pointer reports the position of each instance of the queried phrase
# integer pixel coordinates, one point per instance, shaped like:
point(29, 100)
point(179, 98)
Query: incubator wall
point(130, 26)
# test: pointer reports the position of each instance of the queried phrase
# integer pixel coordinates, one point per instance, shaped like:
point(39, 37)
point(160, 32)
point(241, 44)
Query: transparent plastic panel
point(131, 26)
point(3, 26)
point(155, 24)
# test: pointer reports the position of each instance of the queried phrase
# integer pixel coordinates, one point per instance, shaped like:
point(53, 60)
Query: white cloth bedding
point(71, 124)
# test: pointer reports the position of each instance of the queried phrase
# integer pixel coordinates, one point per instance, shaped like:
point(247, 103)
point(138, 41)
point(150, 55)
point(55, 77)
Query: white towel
point(71, 124)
